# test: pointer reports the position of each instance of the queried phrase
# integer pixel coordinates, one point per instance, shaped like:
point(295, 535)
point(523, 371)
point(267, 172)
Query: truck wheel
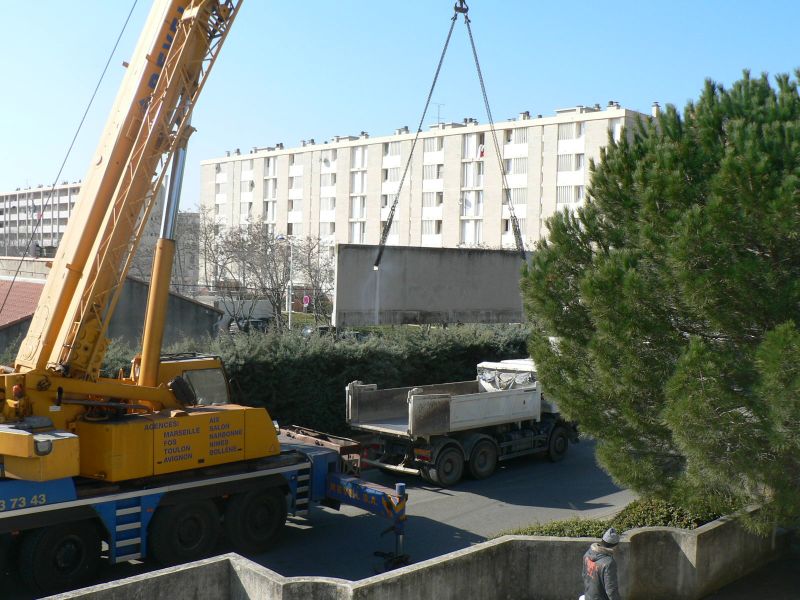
point(559, 442)
point(61, 557)
point(183, 532)
point(483, 460)
point(448, 468)
point(254, 518)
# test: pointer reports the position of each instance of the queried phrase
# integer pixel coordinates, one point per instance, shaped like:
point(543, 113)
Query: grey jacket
point(600, 574)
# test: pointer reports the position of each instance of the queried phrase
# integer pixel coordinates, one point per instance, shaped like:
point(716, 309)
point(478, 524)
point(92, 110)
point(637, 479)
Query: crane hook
point(461, 7)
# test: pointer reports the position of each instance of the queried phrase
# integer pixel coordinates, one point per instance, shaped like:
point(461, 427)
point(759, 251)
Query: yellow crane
point(127, 427)
point(156, 464)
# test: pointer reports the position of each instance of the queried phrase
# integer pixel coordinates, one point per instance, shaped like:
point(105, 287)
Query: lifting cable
point(49, 200)
point(459, 8)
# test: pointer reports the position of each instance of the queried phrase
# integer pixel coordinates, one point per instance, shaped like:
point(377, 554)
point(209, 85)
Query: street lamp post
point(288, 240)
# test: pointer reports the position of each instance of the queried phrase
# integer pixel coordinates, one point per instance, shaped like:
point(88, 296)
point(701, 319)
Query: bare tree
point(315, 266)
point(247, 264)
point(266, 266)
point(222, 269)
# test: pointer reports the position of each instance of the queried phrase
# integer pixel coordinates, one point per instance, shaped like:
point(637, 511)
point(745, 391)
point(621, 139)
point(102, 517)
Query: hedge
point(644, 512)
point(302, 381)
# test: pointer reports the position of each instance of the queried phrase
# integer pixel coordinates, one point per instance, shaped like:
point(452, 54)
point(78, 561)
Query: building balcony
point(295, 193)
point(390, 187)
point(432, 240)
point(576, 146)
point(295, 216)
point(295, 170)
point(432, 213)
point(433, 185)
point(515, 150)
point(327, 216)
point(393, 160)
point(433, 158)
point(329, 191)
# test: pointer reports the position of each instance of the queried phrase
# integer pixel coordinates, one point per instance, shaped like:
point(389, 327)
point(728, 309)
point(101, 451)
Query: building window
point(270, 189)
point(571, 131)
point(358, 182)
point(357, 229)
point(326, 229)
point(270, 207)
point(295, 229)
point(327, 203)
point(518, 196)
point(433, 144)
point(472, 174)
point(516, 166)
point(296, 182)
point(472, 204)
point(391, 149)
point(327, 179)
point(432, 171)
point(473, 146)
point(391, 175)
point(393, 229)
point(615, 127)
point(328, 157)
point(358, 157)
point(508, 228)
point(432, 199)
point(471, 231)
point(518, 135)
point(270, 168)
point(358, 207)
point(432, 227)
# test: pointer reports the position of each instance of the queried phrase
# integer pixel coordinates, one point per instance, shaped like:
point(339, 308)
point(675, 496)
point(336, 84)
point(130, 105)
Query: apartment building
point(342, 190)
point(36, 218)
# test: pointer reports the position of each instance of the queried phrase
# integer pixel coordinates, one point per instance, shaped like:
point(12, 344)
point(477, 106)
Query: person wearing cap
point(600, 570)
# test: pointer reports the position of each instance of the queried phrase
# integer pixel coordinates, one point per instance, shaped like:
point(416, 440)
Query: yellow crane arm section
point(173, 57)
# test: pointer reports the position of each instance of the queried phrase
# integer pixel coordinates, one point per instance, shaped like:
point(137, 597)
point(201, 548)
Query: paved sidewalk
point(778, 580)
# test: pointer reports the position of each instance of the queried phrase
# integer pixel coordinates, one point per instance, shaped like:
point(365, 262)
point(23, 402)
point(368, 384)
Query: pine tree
point(665, 310)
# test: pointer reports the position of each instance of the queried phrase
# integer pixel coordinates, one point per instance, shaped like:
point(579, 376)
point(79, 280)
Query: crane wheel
point(253, 519)
point(60, 557)
point(558, 445)
point(183, 532)
point(449, 467)
point(483, 460)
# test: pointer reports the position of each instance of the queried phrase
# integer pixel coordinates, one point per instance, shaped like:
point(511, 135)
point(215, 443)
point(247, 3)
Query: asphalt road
point(341, 543)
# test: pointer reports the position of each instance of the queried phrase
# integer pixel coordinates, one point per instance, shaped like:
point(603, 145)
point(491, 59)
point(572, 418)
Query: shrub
point(644, 512)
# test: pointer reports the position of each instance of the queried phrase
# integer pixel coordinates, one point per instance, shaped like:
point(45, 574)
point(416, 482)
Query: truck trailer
point(435, 431)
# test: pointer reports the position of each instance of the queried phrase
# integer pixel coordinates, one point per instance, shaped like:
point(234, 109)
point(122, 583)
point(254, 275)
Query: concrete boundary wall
point(426, 286)
point(654, 563)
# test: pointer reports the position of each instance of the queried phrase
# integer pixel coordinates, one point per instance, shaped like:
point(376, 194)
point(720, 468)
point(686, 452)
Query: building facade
point(33, 221)
point(342, 190)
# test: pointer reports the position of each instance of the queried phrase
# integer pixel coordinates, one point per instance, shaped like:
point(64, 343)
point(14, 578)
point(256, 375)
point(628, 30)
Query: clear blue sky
point(293, 70)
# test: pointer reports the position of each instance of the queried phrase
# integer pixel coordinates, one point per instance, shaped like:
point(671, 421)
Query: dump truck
point(436, 431)
point(156, 461)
